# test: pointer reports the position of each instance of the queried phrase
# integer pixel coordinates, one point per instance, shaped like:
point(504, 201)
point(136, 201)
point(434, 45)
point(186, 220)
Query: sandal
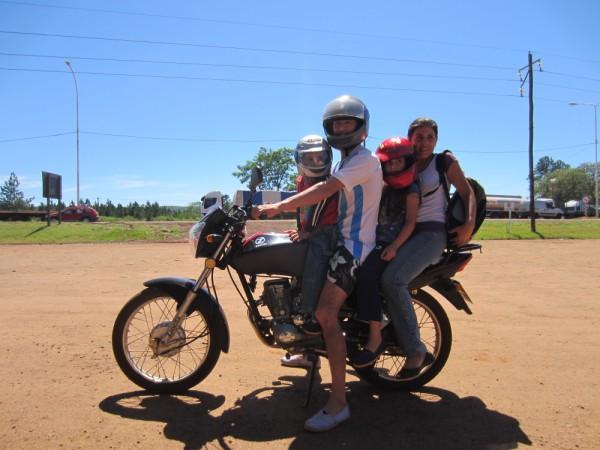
point(413, 372)
point(365, 358)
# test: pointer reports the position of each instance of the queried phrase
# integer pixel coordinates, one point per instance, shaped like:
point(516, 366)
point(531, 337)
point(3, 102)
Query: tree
point(277, 167)
point(11, 197)
point(563, 185)
point(546, 165)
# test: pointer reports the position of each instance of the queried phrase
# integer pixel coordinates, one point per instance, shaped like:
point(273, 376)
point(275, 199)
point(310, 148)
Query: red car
point(79, 213)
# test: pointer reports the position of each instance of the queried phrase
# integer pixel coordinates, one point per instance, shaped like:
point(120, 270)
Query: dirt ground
point(523, 372)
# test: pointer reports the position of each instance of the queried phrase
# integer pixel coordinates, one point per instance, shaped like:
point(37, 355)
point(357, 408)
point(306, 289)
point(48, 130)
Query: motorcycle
point(169, 336)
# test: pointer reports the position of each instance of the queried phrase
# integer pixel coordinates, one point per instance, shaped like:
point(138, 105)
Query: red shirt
point(329, 206)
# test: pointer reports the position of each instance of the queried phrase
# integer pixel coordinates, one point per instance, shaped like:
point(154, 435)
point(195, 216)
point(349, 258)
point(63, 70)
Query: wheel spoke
point(388, 365)
point(176, 362)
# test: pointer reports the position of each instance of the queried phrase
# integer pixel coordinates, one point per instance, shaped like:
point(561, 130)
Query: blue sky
point(174, 95)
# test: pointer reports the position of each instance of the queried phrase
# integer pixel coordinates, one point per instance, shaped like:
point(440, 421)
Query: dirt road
point(524, 368)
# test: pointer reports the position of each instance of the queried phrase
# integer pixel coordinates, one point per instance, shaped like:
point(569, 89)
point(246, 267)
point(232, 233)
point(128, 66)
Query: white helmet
point(313, 156)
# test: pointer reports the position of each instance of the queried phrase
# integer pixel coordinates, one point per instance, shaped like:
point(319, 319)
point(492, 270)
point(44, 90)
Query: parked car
point(80, 213)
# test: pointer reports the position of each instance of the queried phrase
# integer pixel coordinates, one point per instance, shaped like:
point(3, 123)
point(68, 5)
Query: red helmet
point(395, 148)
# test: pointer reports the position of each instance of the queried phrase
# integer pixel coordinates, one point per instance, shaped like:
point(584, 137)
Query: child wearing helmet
point(396, 222)
point(317, 226)
point(428, 240)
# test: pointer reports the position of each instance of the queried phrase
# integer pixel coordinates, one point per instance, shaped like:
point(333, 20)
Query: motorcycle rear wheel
point(436, 334)
point(179, 364)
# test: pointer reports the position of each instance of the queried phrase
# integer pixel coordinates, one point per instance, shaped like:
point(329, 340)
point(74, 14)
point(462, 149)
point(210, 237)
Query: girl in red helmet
point(396, 222)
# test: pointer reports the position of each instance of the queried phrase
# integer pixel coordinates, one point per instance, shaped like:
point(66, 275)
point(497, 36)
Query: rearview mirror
point(256, 177)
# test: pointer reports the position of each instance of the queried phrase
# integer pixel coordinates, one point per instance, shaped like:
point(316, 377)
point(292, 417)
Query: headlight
point(194, 236)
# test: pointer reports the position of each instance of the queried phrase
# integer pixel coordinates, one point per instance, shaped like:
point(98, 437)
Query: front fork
point(209, 266)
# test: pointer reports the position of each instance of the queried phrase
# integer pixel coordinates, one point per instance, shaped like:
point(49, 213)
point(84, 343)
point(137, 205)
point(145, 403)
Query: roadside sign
point(51, 185)
point(586, 200)
point(52, 188)
point(509, 206)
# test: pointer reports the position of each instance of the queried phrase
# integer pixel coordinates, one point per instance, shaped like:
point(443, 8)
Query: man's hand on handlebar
point(266, 211)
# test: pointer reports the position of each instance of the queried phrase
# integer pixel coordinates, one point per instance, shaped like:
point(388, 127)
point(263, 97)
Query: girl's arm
point(458, 179)
point(410, 220)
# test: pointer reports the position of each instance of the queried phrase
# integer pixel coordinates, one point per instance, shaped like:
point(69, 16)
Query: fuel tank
point(271, 254)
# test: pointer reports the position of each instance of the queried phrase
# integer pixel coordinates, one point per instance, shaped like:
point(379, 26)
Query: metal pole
point(531, 185)
point(68, 63)
point(596, 153)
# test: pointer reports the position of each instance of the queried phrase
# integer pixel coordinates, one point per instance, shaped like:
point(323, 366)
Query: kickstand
point(313, 358)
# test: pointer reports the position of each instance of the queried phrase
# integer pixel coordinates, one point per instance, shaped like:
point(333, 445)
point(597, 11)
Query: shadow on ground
point(429, 419)
point(37, 230)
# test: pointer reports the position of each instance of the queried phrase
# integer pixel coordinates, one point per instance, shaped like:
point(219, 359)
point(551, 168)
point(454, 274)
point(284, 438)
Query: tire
point(184, 362)
point(436, 334)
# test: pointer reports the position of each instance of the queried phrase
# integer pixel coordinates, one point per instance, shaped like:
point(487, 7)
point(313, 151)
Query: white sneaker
point(299, 361)
point(322, 421)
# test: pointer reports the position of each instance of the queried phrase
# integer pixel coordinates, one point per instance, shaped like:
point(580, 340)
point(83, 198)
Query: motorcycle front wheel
point(157, 355)
point(436, 334)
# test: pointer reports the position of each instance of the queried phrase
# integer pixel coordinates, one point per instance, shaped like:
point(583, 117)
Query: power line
point(36, 137)
point(270, 140)
point(255, 49)
point(537, 150)
point(179, 139)
point(574, 58)
point(570, 75)
point(245, 66)
point(292, 28)
point(289, 28)
point(568, 87)
point(263, 25)
point(268, 82)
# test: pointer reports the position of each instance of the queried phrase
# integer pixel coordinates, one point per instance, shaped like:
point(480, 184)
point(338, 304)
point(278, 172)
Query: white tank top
point(433, 206)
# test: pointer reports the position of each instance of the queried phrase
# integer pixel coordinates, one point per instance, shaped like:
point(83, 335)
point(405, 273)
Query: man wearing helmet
point(358, 180)
point(397, 219)
point(317, 227)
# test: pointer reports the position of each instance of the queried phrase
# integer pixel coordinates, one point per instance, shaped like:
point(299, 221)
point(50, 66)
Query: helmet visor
point(314, 158)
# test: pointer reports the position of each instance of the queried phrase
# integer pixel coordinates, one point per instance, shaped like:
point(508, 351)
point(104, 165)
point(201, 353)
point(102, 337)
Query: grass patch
point(545, 229)
point(71, 233)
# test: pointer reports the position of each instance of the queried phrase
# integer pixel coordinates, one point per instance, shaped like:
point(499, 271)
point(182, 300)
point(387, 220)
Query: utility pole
point(68, 63)
point(529, 76)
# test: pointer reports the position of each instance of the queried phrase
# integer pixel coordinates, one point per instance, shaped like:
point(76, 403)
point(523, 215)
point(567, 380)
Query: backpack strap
point(439, 166)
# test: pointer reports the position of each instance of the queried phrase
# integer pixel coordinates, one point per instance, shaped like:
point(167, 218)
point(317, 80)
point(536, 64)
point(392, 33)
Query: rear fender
point(178, 288)
point(453, 291)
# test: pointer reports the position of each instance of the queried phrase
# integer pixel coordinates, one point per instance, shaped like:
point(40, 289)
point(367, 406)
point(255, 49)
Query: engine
point(283, 299)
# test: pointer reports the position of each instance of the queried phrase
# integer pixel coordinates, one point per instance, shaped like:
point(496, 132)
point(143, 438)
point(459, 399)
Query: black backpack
point(455, 213)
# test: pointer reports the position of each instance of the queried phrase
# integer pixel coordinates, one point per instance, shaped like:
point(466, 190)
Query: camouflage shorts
point(343, 269)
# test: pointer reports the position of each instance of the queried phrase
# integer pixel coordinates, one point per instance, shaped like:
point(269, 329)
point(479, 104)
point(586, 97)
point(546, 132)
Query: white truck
point(499, 206)
point(544, 207)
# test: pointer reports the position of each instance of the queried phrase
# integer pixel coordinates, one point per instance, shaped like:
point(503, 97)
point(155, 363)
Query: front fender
point(178, 287)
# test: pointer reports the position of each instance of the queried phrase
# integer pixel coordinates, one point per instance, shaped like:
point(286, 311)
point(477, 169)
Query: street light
point(595, 106)
point(68, 63)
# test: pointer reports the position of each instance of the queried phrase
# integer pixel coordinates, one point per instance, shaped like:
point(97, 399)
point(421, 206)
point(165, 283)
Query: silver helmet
point(313, 156)
point(346, 107)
